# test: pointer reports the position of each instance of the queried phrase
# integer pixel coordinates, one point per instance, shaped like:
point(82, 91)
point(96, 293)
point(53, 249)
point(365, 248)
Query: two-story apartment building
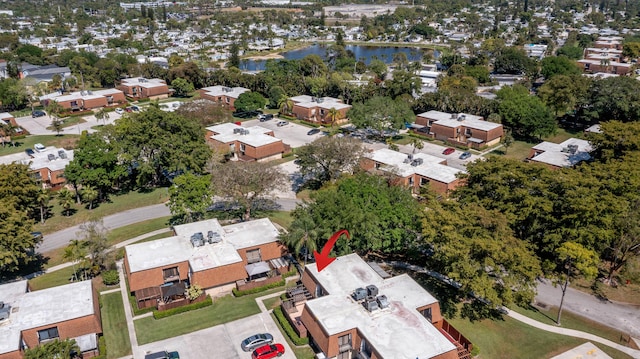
point(319, 109)
point(356, 313)
point(142, 88)
point(216, 257)
point(7, 119)
point(28, 319)
point(246, 143)
point(414, 170)
point(558, 155)
point(226, 96)
point(48, 166)
point(459, 129)
point(85, 100)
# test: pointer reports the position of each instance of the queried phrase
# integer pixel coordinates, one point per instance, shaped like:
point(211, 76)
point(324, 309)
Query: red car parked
point(448, 151)
point(268, 351)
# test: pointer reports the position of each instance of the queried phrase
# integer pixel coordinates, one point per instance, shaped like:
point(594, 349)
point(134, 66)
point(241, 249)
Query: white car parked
point(39, 147)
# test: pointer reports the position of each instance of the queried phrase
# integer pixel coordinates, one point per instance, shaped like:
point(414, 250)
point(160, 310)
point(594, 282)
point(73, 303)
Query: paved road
point(38, 125)
point(625, 318)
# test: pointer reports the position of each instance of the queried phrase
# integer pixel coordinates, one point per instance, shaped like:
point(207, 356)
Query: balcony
point(463, 344)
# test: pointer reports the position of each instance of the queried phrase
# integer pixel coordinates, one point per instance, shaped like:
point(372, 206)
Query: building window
point(170, 274)
point(468, 132)
point(227, 99)
point(411, 181)
point(365, 349)
point(426, 313)
point(48, 334)
point(377, 165)
point(253, 256)
point(424, 181)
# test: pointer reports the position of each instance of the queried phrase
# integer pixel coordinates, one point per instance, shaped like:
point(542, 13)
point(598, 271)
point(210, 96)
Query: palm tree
point(89, 194)
point(334, 115)
point(285, 104)
point(76, 252)
point(65, 198)
point(302, 235)
point(417, 144)
point(55, 109)
point(43, 198)
point(102, 115)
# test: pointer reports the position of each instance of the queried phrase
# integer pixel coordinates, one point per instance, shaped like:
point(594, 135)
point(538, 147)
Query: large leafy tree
point(250, 101)
point(616, 140)
point(558, 65)
point(16, 242)
point(18, 186)
point(563, 93)
point(53, 349)
point(511, 60)
point(526, 115)
point(189, 197)
point(613, 98)
point(327, 158)
point(476, 248)
point(153, 143)
point(574, 261)
point(381, 218)
point(246, 182)
point(381, 113)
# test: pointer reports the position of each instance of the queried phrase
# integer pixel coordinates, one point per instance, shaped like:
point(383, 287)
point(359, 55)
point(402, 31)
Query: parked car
point(39, 147)
point(36, 235)
point(163, 355)
point(282, 123)
point(313, 131)
point(119, 111)
point(247, 114)
point(266, 117)
point(465, 155)
point(256, 341)
point(135, 108)
point(448, 151)
point(268, 351)
point(128, 109)
point(38, 113)
point(29, 152)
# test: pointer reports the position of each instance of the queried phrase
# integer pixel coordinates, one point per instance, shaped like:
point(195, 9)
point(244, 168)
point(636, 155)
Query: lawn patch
point(114, 326)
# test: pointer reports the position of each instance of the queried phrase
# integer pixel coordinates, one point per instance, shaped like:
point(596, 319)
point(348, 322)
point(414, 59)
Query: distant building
point(566, 154)
point(85, 100)
point(358, 311)
point(414, 170)
point(48, 166)
point(218, 258)
point(535, 50)
point(246, 143)
point(318, 109)
point(459, 129)
point(226, 96)
point(43, 73)
point(29, 319)
point(141, 88)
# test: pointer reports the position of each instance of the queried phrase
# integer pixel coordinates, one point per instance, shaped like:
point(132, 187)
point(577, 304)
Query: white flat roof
point(40, 308)
point(553, 152)
point(147, 83)
point(398, 331)
point(233, 92)
point(470, 121)
point(431, 167)
point(41, 159)
point(4, 115)
point(256, 137)
point(171, 250)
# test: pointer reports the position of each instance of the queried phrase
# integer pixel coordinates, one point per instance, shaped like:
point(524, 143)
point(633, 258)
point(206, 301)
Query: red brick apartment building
point(559, 155)
point(356, 311)
point(226, 96)
point(85, 100)
point(48, 166)
point(414, 170)
point(215, 257)
point(140, 88)
point(7, 119)
point(246, 144)
point(459, 129)
point(318, 109)
point(605, 57)
point(28, 319)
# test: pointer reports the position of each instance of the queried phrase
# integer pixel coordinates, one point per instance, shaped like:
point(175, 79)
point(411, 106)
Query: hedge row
point(286, 326)
point(240, 293)
point(185, 308)
point(102, 348)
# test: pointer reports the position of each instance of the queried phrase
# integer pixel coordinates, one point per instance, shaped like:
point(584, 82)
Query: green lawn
point(53, 279)
point(271, 303)
point(114, 326)
point(223, 310)
point(509, 338)
point(68, 122)
point(21, 144)
point(301, 352)
point(115, 204)
point(282, 218)
point(519, 150)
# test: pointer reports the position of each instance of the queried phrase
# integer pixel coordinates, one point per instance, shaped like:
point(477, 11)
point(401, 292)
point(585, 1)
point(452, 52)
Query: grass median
point(114, 326)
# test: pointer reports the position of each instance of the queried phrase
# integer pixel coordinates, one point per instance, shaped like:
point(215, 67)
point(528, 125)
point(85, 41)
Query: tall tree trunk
point(42, 214)
point(564, 291)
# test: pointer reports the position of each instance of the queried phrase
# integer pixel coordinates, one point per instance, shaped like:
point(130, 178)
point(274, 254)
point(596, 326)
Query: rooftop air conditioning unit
point(371, 304)
point(372, 290)
point(383, 302)
point(142, 79)
point(214, 237)
point(417, 162)
point(51, 157)
point(454, 116)
point(5, 311)
point(197, 239)
point(237, 130)
point(83, 93)
point(320, 100)
point(462, 118)
point(359, 294)
point(573, 149)
point(62, 154)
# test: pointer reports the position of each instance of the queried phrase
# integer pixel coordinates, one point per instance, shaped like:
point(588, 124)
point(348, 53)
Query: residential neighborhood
point(318, 180)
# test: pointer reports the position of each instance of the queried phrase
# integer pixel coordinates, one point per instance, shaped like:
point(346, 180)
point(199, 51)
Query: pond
point(365, 53)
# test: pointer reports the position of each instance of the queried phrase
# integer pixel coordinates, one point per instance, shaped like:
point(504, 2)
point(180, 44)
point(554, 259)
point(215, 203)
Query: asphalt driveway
point(222, 341)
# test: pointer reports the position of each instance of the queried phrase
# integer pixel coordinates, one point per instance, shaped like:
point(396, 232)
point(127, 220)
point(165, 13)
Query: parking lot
point(222, 341)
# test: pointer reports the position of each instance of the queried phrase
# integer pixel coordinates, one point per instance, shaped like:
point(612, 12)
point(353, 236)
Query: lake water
point(366, 53)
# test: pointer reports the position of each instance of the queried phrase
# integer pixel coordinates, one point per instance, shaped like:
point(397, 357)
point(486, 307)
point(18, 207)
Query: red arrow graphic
point(323, 259)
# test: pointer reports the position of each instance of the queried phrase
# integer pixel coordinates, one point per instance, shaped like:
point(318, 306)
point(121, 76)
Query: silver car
point(256, 341)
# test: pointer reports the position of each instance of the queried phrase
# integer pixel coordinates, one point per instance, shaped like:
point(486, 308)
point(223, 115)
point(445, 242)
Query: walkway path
point(573, 333)
point(127, 309)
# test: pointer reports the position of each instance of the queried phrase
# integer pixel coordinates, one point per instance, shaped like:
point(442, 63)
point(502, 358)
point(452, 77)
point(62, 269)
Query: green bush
point(240, 293)
point(102, 347)
point(185, 308)
point(475, 350)
point(144, 100)
point(110, 277)
point(286, 326)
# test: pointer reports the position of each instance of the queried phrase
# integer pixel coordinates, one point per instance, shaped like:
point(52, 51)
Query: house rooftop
point(143, 82)
point(457, 120)
point(232, 92)
point(165, 251)
point(5, 115)
point(560, 155)
point(36, 309)
point(399, 331)
point(432, 167)
point(322, 102)
point(254, 136)
point(41, 159)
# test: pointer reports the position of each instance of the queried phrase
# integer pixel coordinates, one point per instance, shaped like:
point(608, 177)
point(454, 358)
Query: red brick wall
point(262, 151)
point(314, 330)
point(95, 103)
point(267, 251)
point(68, 329)
point(220, 275)
point(12, 355)
point(57, 177)
point(443, 132)
point(302, 113)
point(153, 277)
point(118, 97)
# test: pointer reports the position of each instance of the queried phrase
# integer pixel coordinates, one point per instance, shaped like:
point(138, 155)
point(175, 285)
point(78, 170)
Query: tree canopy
point(250, 101)
point(526, 115)
point(381, 113)
point(327, 158)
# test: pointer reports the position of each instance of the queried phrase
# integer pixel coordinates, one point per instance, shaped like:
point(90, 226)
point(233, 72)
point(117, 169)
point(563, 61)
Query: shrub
point(475, 350)
point(290, 273)
point(102, 348)
point(286, 326)
point(110, 277)
point(185, 308)
point(240, 293)
point(194, 291)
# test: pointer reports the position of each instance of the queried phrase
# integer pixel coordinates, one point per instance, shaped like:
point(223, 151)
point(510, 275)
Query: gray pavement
point(38, 125)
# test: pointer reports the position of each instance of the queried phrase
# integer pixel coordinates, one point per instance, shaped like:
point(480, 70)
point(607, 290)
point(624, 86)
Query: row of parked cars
point(449, 150)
